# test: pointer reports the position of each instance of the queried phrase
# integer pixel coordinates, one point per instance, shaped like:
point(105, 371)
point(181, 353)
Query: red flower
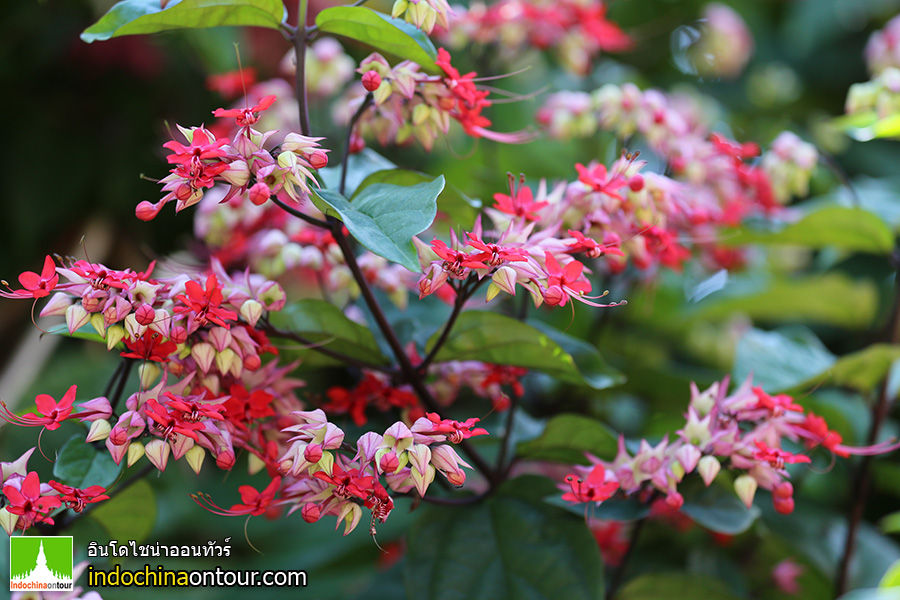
point(205, 303)
point(35, 286)
point(76, 498)
point(777, 405)
point(150, 346)
point(253, 502)
point(170, 423)
point(52, 412)
point(244, 408)
point(777, 457)
point(246, 116)
point(28, 503)
point(520, 204)
point(347, 483)
point(454, 430)
point(593, 489)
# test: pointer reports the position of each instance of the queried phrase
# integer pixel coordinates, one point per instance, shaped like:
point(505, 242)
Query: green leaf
point(81, 465)
point(510, 546)
point(359, 166)
point(675, 585)
point(780, 361)
point(566, 439)
point(452, 203)
point(832, 299)
point(861, 371)
point(131, 17)
point(498, 339)
point(595, 370)
point(85, 333)
point(391, 36)
point(718, 508)
point(891, 579)
point(853, 229)
point(130, 515)
point(891, 523)
point(323, 322)
point(384, 217)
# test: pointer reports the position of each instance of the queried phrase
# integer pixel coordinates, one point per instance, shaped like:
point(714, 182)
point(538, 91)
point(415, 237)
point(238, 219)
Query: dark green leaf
point(384, 217)
point(391, 36)
point(831, 299)
point(131, 17)
point(85, 333)
point(498, 339)
point(81, 465)
point(456, 206)
point(853, 229)
point(323, 322)
point(861, 371)
point(596, 371)
point(780, 360)
point(510, 546)
point(568, 437)
point(614, 509)
point(130, 515)
point(675, 585)
point(719, 509)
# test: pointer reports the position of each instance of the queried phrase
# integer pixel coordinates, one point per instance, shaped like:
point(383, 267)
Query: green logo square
point(40, 563)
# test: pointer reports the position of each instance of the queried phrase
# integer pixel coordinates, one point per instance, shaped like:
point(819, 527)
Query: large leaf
point(853, 229)
point(780, 360)
point(595, 370)
point(719, 509)
point(498, 339)
point(510, 546)
point(452, 203)
point(131, 17)
point(378, 30)
point(130, 515)
point(82, 465)
point(384, 217)
point(683, 586)
point(566, 439)
point(861, 371)
point(323, 322)
point(831, 299)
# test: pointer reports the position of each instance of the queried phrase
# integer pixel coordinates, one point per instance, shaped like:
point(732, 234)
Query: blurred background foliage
point(86, 121)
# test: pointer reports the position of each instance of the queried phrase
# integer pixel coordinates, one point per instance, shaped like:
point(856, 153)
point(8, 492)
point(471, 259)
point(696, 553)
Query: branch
point(324, 350)
point(346, 158)
point(300, 38)
point(619, 575)
point(863, 479)
point(462, 296)
point(300, 215)
point(123, 378)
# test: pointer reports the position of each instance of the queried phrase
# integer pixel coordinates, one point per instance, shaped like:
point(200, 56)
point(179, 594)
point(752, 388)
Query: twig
point(619, 575)
point(324, 350)
point(300, 39)
point(300, 215)
point(462, 296)
point(345, 160)
point(123, 378)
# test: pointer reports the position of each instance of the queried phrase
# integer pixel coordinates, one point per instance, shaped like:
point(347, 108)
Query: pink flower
point(785, 575)
point(35, 286)
point(28, 503)
point(52, 412)
point(593, 489)
point(246, 116)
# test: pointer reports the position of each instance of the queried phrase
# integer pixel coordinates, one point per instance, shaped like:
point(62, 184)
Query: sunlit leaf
point(780, 360)
point(131, 17)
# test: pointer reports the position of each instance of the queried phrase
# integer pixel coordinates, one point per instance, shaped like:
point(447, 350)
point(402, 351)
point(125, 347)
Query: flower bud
point(203, 354)
point(98, 323)
point(178, 335)
point(99, 431)
point(310, 513)
point(149, 373)
point(157, 453)
point(114, 335)
point(57, 306)
point(225, 460)
point(76, 317)
point(745, 487)
point(674, 500)
point(8, 521)
point(135, 452)
point(708, 466)
point(259, 194)
point(318, 159)
point(251, 311)
point(784, 506)
point(687, 456)
point(144, 314)
point(389, 463)
point(195, 457)
point(312, 453)
point(371, 80)
point(783, 490)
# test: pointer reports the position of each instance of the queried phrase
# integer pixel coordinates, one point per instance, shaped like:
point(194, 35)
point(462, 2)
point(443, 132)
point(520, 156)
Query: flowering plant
point(566, 328)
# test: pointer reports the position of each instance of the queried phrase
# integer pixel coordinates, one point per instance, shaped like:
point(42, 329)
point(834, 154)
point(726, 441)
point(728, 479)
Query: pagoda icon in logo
point(40, 563)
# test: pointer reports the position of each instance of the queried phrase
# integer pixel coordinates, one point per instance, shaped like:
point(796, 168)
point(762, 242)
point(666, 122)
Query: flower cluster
point(242, 162)
point(424, 14)
point(576, 30)
point(744, 432)
point(28, 501)
point(411, 104)
point(316, 474)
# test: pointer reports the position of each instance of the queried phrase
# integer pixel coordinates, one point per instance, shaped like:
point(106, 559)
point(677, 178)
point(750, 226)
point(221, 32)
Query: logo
point(40, 563)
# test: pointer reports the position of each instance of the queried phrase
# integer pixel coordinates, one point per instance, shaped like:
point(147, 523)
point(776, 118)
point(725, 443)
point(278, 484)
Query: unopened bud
point(149, 373)
point(144, 314)
point(745, 487)
point(158, 453)
point(313, 453)
point(318, 159)
point(371, 80)
point(310, 513)
point(195, 457)
point(135, 452)
point(708, 466)
point(99, 431)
